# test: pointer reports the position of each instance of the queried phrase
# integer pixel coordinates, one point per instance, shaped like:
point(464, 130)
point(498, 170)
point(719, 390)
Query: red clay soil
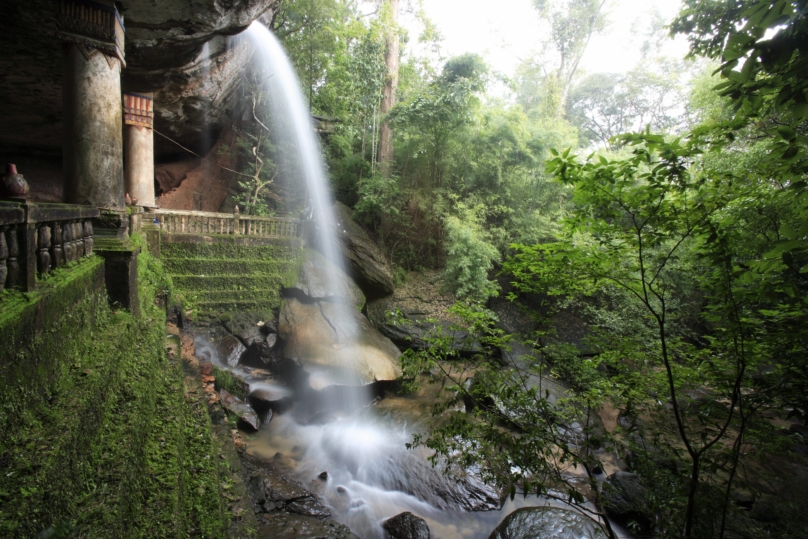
point(199, 185)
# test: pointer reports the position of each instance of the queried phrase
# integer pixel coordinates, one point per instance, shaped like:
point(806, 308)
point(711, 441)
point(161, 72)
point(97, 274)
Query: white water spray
point(292, 121)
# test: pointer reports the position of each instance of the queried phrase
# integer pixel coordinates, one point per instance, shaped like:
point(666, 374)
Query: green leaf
point(787, 133)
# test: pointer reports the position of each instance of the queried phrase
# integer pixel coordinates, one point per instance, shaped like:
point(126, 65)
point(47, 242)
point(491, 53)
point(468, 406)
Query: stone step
point(235, 267)
point(211, 307)
point(224, 282)
point(223, 251)
point(265, 294)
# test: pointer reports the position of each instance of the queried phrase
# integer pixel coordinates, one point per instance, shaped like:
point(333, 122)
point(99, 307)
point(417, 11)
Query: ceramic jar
point(13, 184)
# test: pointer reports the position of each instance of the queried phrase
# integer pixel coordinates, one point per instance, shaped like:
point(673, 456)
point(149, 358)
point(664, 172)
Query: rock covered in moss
point(546, 523)
point(625, 500)
point(406, 526)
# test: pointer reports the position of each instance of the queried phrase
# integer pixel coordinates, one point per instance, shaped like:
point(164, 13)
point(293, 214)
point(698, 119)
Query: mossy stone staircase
point(215, 274)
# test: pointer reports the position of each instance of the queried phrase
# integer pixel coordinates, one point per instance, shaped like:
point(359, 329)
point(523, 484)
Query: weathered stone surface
point(318, 275)
point(625, 500)
point(164, 42)
point(406, 526)
point(230, 350)
point(368, 265)
point(272, 491)
point(546, 523)
point(282, 525)
point(247, 418)
point(170, 175)
point(335, 344)
point(93, 124)
point(250, 327)
point(409, 329)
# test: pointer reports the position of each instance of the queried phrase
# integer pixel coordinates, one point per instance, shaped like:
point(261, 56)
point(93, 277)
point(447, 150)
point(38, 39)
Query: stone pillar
point(138, 117)
point(93, 36)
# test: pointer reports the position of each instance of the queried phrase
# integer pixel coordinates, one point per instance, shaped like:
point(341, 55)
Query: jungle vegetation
point(667, 206)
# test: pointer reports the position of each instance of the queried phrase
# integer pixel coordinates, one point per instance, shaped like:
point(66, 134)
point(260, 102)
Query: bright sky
point(506, 31)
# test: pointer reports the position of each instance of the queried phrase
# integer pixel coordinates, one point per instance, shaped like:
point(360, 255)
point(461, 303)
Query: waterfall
point(300, 158)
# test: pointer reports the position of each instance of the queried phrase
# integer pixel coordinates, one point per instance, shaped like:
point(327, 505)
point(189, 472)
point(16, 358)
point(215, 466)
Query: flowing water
point(371, 476)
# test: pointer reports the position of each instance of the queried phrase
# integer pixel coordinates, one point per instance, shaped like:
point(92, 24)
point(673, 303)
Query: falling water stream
point(371, 474)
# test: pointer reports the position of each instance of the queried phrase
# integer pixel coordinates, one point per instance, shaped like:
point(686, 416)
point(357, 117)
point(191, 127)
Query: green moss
point(100, 436)
point(225, 380)
point(226, 272)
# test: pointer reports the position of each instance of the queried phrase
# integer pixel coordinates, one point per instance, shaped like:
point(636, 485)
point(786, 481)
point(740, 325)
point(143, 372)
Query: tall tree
point(572, 25)
point(390, 87)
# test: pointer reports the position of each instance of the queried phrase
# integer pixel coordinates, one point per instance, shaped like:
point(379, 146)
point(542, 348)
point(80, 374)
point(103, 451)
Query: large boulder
point(367, 263)
point(418, 311)
point(335, 344)
point(546, 523)
point(625, 499)
point(319, 279)
point(406, 526)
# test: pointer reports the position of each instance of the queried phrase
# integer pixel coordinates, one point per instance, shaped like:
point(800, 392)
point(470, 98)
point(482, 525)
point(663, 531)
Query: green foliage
point(470, 257)
point(605, 105)
point(761, 70)
point(520, 428)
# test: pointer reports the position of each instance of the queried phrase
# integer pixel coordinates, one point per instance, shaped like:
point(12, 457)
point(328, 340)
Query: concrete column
point(139, 147)
point(93, 120)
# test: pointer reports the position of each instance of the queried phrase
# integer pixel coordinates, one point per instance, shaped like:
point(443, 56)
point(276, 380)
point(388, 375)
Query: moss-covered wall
point(221, 273)
point(98, 437)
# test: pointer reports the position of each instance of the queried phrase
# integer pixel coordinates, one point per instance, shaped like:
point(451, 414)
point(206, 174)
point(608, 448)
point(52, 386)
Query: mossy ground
point(100, 437)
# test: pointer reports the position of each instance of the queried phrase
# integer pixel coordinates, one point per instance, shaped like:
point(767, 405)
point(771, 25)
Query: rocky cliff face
point(164, 45)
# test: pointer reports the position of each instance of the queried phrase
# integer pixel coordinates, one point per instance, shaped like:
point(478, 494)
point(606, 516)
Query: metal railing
point(198, 222)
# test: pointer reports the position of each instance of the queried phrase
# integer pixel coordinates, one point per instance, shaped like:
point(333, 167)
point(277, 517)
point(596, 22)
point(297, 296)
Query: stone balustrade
point(197, 222)
point(37, 238)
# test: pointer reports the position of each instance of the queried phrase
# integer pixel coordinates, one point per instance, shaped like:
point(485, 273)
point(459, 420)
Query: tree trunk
point(390, 86)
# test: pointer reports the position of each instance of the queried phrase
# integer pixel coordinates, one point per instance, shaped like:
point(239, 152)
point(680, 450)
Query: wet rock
point(624, 499)
point(271, 340)
point(546, 523)
point(273, 492)
point(406, 526)
point(247, 418)
point(250, 327)
point(270, 398)
point(316, 277)
point(282, 525)
point(409, 328)
point(336, 345)
point(367, 263)
point(230, 350)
